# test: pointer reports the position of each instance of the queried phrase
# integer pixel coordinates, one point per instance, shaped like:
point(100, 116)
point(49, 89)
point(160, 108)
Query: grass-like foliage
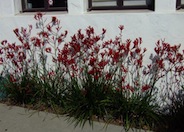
point(84, 101)
point(136, 111)
point(89, 78)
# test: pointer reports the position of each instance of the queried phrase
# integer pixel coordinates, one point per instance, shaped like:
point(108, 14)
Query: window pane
point(134, 2)
point(57, 3)
point(29, 4)
point(124, 2)
point(182, 2)
point(104, 3)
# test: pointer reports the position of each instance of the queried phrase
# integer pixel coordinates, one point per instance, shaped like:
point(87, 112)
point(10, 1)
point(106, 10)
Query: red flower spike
point(118, 89)
point(132, 54)
point(26, 46)
point(158, 43)
point(157, 50)
point(138, 50)
point(145, 87)
point(123, 79)
point(74, 38)
point(1, 51)
point(12, 78)
point(71, 61)
point(116, 57)
point(54, 59)
point(102, 55)
point(36, 41)
point(58, 28)
point(22, 56)
point(179, 69)
point(44, 34)
point(48, 50)
point(4, 42)
point(108, 76)
point(96, 77)
point(136, 42)
point(102, 63)
point(121, 47)
point(80, 35)
point(92, 61)
point(128, 42)
point(140, 40)
point(54, 19)
point(139, 61)
point(103, 31)
point(66, 32)
point(110, 52)
point(160, 63)
point(76, 47)
point(16, 31)
point(91, 29)
point(129, 88)
point(49, 28)
point(124, 69)
point(144, 50)
point(96, 39)
point(1, 61)
point(92, 71)
point(74, 68)
point(121, 27)
point(51, 73)
point(179, 57)
point(21, 39)
point(30, 28)
point(15, 63)
point(60, 40)
point(38, 16)
point(10, 55)
point(97, 49)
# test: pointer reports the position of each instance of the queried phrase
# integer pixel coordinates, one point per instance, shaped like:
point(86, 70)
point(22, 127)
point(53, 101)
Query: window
point(120, 4)
point(182, 3)
point(44, 5)
point(179, 4)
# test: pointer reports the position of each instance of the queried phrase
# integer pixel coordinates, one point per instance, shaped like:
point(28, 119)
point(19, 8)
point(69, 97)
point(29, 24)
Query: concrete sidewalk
point(17, 119)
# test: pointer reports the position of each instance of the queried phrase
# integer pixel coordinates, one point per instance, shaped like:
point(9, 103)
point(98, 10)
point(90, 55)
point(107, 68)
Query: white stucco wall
point(163, 23)
point(165, 5)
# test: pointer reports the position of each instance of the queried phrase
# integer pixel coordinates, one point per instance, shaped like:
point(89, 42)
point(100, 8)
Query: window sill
point(95, 12)
point(180, 10)
point(46, 13)
point(119, 11)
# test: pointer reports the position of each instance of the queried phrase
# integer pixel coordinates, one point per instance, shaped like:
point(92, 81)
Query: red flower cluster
point(86, 53)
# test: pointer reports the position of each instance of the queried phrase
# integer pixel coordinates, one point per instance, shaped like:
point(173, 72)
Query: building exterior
point(164, 21)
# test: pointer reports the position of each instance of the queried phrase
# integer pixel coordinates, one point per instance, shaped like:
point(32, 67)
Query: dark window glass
point(44, 5)
point(59, 3)
point(36, 3)
point(121, 4)
point(179, 4)
point(182, 3)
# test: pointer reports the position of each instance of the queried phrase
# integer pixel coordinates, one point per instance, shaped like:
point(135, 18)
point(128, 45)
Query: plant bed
point(89, 78)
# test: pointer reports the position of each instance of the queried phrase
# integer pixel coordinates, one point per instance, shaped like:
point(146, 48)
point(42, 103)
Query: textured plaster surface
point(150, 25)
